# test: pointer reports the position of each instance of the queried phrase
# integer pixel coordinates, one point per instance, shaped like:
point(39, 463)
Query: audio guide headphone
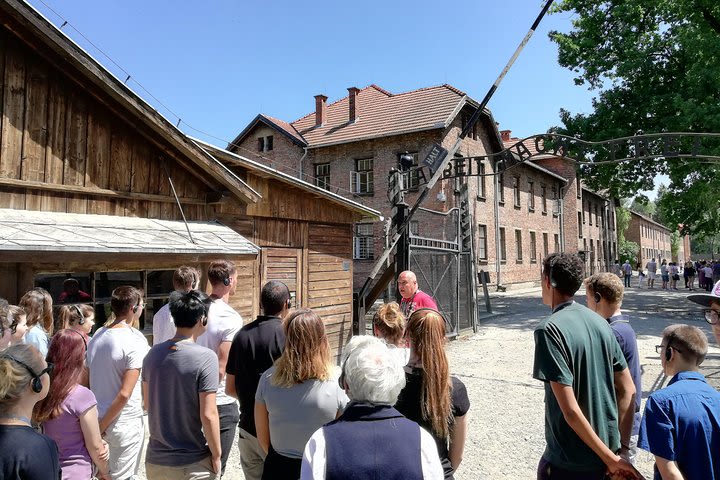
point(598, 297)
point(135, 308)
point(81, 336)
point(226, 281)
point(35, 383)
point(81, 321)
point(553, 283)
point(668, 353)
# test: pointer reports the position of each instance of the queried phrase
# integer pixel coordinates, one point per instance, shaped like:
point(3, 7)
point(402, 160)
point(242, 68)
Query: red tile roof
point(285, 126)
point(381, 114)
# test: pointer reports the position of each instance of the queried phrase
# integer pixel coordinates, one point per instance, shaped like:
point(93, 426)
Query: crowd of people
point(705, 272)
point(391, 410)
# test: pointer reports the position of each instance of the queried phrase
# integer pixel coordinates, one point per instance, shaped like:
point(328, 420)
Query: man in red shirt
point(412, 297)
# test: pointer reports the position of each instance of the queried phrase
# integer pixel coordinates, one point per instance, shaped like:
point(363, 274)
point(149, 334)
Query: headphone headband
point(35, 383)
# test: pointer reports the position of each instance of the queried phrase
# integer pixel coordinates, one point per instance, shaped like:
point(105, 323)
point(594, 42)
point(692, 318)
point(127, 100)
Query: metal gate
point(443, 270)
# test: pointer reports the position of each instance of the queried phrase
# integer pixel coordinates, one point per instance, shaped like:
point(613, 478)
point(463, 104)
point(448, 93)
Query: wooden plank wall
point(54, 133)
point(282, 200)
point(329, 280)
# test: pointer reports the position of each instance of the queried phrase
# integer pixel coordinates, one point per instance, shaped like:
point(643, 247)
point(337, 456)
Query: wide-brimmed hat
point(705, 299)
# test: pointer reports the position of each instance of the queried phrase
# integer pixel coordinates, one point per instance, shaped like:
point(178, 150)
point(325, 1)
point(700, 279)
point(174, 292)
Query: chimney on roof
point(320, 109)
point(505, 135)
point(352, 103)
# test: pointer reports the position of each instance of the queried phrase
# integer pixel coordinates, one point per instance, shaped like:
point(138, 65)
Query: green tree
point(674, 245)
point(626, 250)
point(655, 65)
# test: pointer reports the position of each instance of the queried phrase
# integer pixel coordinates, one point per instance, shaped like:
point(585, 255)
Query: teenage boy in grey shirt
point(180, 380)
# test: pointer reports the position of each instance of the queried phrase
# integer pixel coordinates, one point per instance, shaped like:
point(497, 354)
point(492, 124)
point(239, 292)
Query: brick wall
point(653, 238)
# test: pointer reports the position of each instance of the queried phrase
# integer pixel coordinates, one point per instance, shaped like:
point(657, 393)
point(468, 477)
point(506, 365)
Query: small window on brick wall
point(482, 242)
point(322, 175)
point(518, 245)
point(265, 144)
point(363, 242)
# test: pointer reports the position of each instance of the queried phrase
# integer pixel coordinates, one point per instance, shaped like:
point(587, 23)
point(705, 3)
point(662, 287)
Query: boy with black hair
point(180, 381)
point(681, 425)
point(114, 357)
point(254, 349)
point(582, 366)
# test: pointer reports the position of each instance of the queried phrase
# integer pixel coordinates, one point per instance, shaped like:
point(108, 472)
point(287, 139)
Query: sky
point(217, 64)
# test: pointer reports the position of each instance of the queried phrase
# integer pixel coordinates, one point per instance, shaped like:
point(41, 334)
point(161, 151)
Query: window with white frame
point(322, 175)
point(412, 176)
point(363, 242)
point(362, 178)
point(482, 242)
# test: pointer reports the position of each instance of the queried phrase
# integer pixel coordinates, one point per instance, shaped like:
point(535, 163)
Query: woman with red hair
point(69, 413)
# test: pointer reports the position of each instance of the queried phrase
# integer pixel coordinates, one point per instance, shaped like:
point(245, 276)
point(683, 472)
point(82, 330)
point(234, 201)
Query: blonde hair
point(37, 303)
point(607, 285)
point(390, 323)
point(307, 350)
point(15, 378)
point(71, 315)
point(426, 331)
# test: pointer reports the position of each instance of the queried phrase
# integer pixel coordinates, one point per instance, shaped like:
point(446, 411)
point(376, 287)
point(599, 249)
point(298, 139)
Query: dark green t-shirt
point(576, 347)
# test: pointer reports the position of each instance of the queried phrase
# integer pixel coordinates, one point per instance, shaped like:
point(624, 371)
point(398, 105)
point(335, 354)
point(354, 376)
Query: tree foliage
point(628, 250)
point(674, 244)
point(656, 67)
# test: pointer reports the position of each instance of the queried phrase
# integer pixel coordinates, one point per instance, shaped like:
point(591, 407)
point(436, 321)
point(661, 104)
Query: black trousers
point(280, 467)
point(547, 471)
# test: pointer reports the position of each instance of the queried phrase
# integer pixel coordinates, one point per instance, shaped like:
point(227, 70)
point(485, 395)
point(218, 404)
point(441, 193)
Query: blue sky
point(217, 64)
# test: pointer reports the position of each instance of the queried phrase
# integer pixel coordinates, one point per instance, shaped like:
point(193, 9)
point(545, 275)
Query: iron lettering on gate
point(638, 147)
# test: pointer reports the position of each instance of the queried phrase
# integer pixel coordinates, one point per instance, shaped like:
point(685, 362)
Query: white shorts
point(125, 439)
point(651, 275)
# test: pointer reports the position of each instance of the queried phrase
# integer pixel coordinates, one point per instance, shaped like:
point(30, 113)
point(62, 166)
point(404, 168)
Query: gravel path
point(506, 433)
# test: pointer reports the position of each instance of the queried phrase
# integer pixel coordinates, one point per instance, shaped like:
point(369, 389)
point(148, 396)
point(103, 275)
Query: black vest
point(372, 442)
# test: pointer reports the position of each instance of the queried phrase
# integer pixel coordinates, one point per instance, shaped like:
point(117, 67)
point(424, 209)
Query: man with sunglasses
point(681, 424)
point(180, 380)
point(711, 302)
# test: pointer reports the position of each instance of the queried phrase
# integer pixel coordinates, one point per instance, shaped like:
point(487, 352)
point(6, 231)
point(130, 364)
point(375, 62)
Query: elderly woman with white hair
point(371, 439)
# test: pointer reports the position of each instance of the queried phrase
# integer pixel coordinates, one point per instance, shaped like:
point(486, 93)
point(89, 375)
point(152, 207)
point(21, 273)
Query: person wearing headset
point(711, 302)
point(604, 295)
point(24, 453)
point(114, 357)
point(184, 425)
point(681, 423)
point(223, 323)
point(589, 393)
point(184, 279)
point(80, 318)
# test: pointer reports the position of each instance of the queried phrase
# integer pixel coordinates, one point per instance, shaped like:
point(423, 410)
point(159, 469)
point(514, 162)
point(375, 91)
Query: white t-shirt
point(112, 351)
point(163, 325)
point(223, 323)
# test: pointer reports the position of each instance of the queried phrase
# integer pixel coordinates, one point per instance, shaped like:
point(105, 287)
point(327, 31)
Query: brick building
point(350, 145)
point(653, 238)
point(586, 218)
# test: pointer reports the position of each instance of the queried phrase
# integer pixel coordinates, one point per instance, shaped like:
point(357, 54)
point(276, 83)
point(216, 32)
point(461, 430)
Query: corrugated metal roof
point(23, 230)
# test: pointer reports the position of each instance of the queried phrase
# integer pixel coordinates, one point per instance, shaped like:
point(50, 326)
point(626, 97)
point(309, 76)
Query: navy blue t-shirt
point(26, 454)
point(627, 338)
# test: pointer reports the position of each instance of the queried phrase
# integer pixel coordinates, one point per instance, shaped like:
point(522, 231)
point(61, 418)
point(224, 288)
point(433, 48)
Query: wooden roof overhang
point(54, 46)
